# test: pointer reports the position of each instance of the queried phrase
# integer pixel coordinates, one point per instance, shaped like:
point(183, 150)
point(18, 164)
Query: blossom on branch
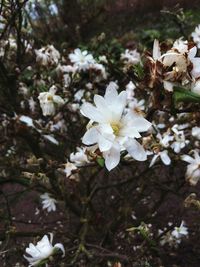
point(42, 250)
point(113, 127)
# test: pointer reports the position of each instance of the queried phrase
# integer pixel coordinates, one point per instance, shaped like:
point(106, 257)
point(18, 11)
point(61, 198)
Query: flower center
point(50, 98)
point(116, 128)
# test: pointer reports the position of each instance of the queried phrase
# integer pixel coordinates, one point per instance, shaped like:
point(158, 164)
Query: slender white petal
point(135, 150)
point(112, 157)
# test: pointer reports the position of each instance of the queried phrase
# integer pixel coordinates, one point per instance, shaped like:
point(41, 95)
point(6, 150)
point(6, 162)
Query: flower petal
point(112, 157)
point(135, 150)
point(91, 136)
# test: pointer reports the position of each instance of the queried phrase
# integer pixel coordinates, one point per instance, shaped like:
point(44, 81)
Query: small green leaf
point(101, 162)
point(184, 95)
point(139, 71)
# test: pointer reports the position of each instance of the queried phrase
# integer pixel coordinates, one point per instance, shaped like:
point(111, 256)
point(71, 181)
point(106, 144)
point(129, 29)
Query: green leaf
point(101, 162)
point(184, 95)
point(139, 71)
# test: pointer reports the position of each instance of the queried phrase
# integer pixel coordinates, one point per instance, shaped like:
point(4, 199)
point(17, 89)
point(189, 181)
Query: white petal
point(112, 157)
point(153, 160)
point(135, 150)
point(165, 158)
point(88, 110)
point(156, 50)
point(141, 124)
point(187, 158)
point(58, 100)
point(104, 143)
point(196, 67)
point(192, 52)
point(102, 107)
point(91, 136)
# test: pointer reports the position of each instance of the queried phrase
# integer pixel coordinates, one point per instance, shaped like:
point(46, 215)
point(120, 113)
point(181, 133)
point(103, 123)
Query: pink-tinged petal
point(91, 136)
point(135, 150)
point(165, 158)
point(112, 157)
point(91, 112)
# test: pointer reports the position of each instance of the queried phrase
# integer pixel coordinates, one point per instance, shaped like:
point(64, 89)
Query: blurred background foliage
point(69, 23)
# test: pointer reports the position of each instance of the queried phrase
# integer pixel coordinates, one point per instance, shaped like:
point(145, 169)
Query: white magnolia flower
point(193, 169)
point(81, 59)
point(173, 238)
point(180, 141)
point(42, 251)
point(48, 202)
point(131, 56)
point(69, 168)
point(49, 101)
point(112, 128)
point(47, 56)
point(196, 36)
point(180, 232)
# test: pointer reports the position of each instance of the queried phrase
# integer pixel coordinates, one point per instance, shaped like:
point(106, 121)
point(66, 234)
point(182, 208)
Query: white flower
point(131, 56)
point(196, 36)
point(47, 56)
point(42, 251)
point(81, 59)
point(196, 132)
point(49, 100)
point(48, 202)
point(163, 156)
point(180, 232)
point(193, 169)
point(112, 128)
point(69, 168)
point(180, 140)
point(173, 238)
